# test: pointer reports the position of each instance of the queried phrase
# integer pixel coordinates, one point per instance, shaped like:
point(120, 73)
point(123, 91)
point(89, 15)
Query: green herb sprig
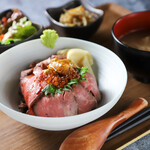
point(83, 70)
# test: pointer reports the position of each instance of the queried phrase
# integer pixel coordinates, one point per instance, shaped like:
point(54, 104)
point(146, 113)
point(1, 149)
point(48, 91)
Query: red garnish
point(1, 37)
point(60, 72)
point(4, 20)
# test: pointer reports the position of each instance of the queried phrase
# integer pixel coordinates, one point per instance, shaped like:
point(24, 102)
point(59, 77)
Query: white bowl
point(109, 69)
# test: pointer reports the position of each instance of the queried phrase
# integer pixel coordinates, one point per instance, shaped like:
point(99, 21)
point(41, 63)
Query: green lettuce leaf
point(9, 41)
point(24, 32)
point(23, 29)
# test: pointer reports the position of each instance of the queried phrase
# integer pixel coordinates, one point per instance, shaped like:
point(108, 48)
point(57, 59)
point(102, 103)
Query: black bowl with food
point(16, 28)
point(75, 19)
point(131, 36)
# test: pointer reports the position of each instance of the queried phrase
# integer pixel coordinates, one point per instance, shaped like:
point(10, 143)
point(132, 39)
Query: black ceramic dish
point(136, 61)
point(83, 32)
point(34, 36)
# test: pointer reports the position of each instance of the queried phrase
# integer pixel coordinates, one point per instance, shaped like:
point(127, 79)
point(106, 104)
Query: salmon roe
point(60, 72)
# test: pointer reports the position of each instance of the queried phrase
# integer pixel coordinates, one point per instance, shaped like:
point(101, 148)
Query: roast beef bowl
point(76, 97)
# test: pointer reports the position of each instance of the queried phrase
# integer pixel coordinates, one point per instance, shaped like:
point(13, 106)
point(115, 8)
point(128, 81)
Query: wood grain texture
point(17, 136)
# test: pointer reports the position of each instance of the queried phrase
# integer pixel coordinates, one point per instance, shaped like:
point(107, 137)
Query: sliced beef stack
point(82, 98)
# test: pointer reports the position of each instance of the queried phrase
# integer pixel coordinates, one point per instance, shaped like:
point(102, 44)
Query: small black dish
point(34, 36)
point(83, 32)
point(137, 61)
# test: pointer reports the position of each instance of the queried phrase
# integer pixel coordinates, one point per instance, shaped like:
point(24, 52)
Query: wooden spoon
point(93, 136)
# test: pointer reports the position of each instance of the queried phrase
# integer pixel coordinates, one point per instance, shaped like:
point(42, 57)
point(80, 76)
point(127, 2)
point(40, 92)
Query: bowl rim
point(143, 52)
point(99, 12)
point(116, 97)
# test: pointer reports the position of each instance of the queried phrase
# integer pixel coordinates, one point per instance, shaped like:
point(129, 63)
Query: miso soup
point(138, 39)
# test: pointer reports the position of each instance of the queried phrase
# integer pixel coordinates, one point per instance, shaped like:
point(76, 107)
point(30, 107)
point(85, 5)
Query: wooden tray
point(17, 136)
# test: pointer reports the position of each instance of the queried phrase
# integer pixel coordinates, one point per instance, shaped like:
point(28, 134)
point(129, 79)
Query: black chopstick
point(130, 123)
point(139, 115)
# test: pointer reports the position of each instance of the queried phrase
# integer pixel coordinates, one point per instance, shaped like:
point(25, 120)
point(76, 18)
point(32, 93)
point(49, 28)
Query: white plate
point(109, 69)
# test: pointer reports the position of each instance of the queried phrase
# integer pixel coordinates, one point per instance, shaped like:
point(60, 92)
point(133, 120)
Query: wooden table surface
point(17, 136)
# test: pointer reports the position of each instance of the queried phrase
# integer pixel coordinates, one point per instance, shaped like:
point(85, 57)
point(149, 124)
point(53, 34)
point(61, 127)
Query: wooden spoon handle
point(135, 107)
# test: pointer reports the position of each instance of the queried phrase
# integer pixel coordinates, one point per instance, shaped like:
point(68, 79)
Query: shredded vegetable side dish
point(76, 17)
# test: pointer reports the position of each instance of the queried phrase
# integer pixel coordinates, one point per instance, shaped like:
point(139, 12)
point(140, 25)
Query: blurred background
point(35, 8)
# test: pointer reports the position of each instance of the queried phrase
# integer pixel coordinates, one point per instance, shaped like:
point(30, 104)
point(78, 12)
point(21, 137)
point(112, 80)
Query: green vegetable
point(19, 31)
point(49, 38)
point(51, 89)
point(23, 22)
point(25, 32)
point(58, 91)
point(73, 81)
point(65, 88)
point(9, 41)
point(83, 70)
point(23, 29)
